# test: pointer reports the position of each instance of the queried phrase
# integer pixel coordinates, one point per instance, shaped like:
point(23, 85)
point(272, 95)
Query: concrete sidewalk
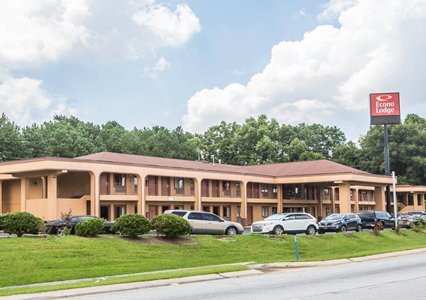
point(256, 269)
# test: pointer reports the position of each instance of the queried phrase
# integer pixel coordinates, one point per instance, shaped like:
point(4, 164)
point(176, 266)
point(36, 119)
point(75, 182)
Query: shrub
point(20, 223)
point(1, 222)
point(171, 226)
point(90, 227)
point(131, 225)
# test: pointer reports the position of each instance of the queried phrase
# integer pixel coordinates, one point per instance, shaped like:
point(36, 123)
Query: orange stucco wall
point(11, 196)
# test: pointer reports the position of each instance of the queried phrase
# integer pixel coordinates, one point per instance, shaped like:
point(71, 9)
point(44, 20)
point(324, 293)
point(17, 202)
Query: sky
point(196, 63)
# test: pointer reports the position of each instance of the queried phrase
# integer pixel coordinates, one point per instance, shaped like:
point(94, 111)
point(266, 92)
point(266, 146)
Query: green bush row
point(169, 226)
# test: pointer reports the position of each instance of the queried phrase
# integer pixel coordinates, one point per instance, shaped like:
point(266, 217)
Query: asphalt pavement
point(388, 278)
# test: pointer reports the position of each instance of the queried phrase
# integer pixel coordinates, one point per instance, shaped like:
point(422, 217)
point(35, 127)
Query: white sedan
point(286, 223)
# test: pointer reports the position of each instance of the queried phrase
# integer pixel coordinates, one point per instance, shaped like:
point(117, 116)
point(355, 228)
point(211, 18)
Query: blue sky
point(195, 63)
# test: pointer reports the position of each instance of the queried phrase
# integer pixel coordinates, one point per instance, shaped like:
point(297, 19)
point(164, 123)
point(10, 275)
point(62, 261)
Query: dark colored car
point(340, 222)
point(58, 226)
point(371, 218)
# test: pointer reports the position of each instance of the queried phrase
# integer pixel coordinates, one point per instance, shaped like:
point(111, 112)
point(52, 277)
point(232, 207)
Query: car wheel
point(343, 228)
point(359, 228)
point(311, 230)
point(278, 230)
point(231, 231)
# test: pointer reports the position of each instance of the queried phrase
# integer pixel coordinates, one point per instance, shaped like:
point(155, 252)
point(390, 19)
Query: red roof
point(315, 167)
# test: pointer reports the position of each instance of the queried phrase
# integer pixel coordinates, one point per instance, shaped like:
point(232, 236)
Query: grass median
point(55, 258)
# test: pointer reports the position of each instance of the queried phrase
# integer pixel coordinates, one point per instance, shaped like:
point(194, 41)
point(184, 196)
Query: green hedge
point(20, 223)
point(171, 226)
point(90, 227)
point(131, 225)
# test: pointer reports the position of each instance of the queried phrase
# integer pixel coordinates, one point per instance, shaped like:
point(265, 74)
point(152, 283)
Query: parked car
point(407, 220)
point(340, 222)
point(58, 226)
point(286, 223)
point(370, 218)
point(207, 223)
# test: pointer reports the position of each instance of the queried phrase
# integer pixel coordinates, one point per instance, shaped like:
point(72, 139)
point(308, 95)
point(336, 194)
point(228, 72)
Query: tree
point(407, 150)
point(11, 144)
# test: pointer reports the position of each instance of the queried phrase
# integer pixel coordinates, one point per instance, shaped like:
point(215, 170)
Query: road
point(392, 278)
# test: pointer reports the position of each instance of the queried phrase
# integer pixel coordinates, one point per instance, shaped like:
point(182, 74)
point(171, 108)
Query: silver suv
point(207, 223)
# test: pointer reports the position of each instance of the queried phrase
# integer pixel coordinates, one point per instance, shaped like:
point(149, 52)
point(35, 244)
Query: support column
point(44, 191)
point(333, 201)
point(113, 216)
point(320, 202)
point(160, 210)
point(280, 198)
point(197, 193)
point(345, 197)
point(141, 195)
point(415, 205)
point(379, 193)
point(24, 193)
point(52, 198)
point(95, 199)
point(356, 200)
point(221, 211)
point(243, 206)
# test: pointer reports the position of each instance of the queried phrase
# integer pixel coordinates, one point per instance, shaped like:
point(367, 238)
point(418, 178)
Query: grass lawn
point(33, 260)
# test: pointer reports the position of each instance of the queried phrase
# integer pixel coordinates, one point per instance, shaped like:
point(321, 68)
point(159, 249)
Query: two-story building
point(111, 184)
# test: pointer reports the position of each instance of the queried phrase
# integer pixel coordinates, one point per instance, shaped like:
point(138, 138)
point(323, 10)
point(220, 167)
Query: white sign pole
point(394, 200)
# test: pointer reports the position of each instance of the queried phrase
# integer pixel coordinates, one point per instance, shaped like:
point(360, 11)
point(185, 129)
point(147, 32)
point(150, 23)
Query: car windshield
point(275, 217)
point(334, 217)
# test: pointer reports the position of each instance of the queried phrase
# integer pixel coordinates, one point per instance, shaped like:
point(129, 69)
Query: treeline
point(256, 141)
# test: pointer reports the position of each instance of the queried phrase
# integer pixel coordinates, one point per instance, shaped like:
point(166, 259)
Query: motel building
point(109, 185)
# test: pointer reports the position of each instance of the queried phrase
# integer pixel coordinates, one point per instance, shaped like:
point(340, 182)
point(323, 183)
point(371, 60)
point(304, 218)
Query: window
point(120, 183)
point(302, 217)
point(327, 194)
point(274, 210)
point(135, 184)
point(195, 216)
point(226, 211)
point(210, 217)
point(179, 185)
point(237, 189)
point(226, 186)
point(265, 211)
point(238, 212)
point(191, 187)
point(264, 189)
point(274, 191)
point(419, 199)
point(410, 199)
point(179, 213)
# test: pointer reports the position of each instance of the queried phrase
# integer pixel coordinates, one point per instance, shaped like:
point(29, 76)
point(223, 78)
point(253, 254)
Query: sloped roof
point(315, 167)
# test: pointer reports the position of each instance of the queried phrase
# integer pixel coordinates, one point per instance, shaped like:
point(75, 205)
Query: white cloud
point(24, 100)
point(173, 28)
point(327, 76)
point(161, 65)
point(33, 32)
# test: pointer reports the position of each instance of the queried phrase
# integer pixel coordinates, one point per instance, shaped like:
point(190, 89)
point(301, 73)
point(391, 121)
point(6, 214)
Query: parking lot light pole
point(394, 200)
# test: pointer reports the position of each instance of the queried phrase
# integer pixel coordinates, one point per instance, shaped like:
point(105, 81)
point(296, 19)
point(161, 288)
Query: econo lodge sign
point(384, 108)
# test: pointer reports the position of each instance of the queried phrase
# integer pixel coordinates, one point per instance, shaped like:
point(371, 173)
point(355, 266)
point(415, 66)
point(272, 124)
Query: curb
point(131, 286)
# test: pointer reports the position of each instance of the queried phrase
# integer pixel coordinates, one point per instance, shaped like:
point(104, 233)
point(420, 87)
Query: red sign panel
point(384, 108)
